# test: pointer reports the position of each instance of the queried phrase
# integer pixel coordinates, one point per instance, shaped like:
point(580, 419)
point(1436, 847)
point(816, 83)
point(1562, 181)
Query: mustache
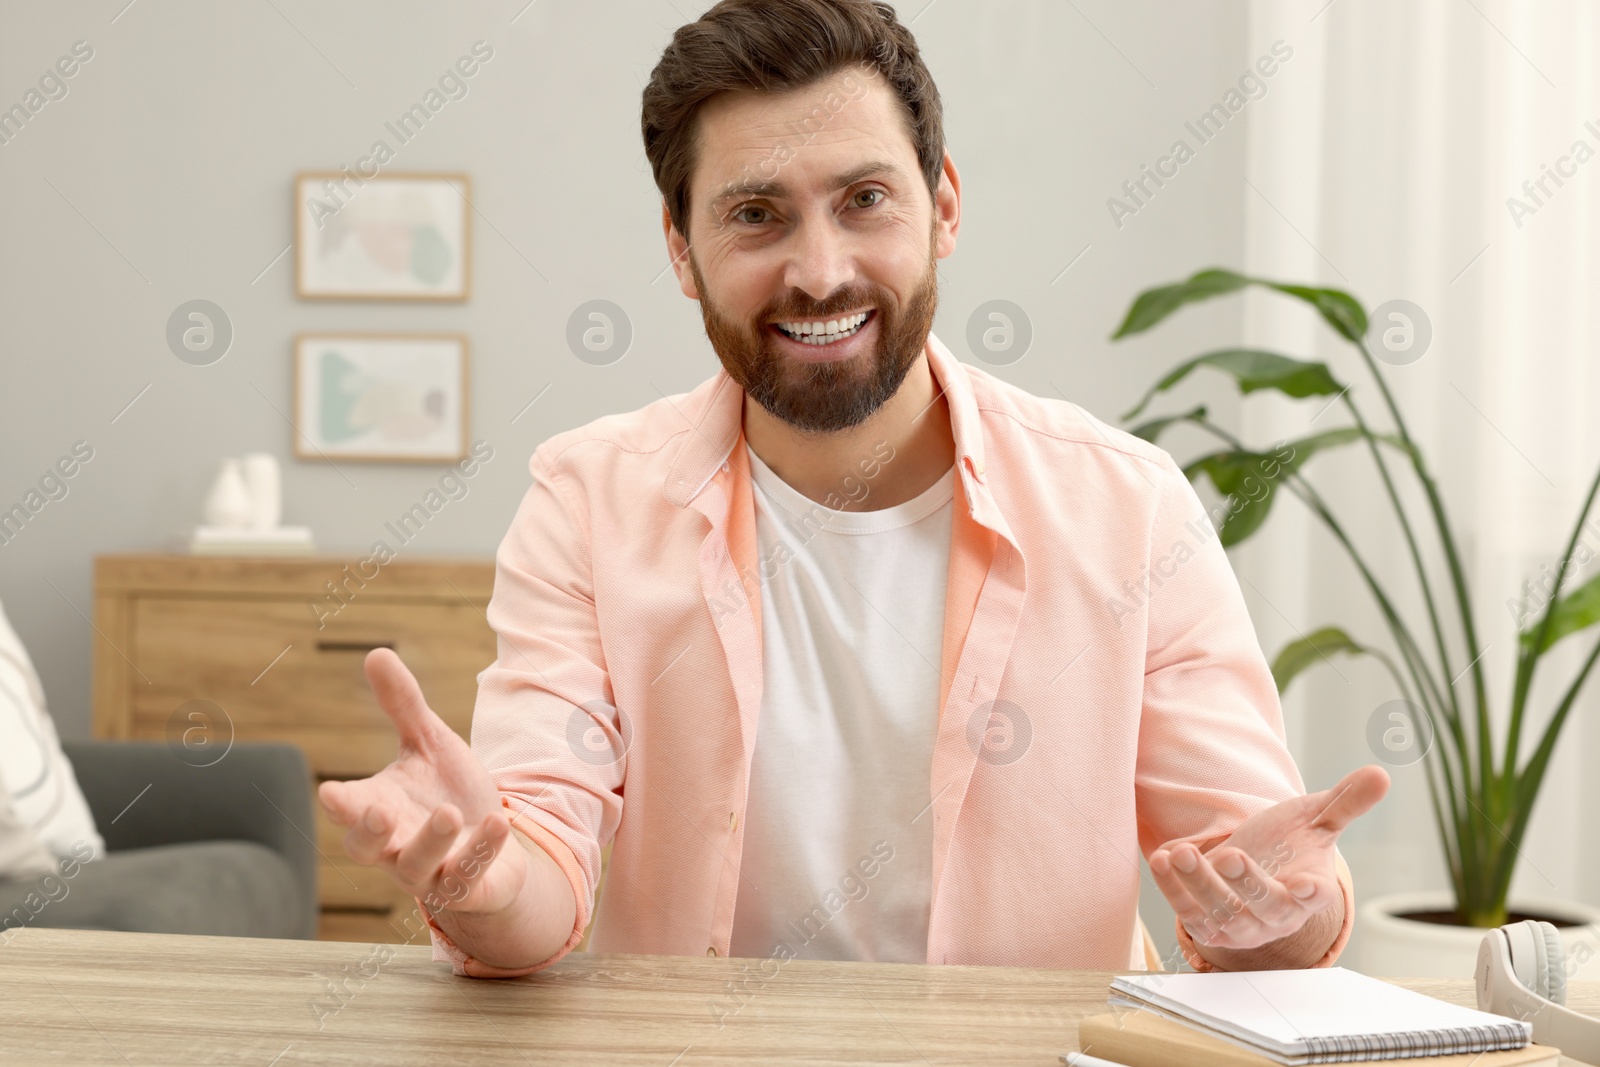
point(840, 307)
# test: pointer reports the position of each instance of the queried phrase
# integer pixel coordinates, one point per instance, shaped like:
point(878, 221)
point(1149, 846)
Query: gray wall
point(164, 176)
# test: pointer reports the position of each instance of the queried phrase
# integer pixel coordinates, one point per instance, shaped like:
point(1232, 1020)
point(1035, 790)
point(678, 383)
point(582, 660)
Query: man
point(836, 649)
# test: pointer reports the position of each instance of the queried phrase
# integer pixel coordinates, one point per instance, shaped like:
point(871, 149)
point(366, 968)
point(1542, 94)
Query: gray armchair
point(225, 849)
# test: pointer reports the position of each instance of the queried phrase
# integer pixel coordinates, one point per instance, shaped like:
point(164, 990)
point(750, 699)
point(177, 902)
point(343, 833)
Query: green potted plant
point(1482, 793)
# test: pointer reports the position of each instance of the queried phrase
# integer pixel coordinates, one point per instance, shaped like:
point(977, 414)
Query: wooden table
point(91, 997)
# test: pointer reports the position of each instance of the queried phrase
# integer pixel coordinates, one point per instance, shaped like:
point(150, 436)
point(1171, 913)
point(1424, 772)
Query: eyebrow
point(778, 190)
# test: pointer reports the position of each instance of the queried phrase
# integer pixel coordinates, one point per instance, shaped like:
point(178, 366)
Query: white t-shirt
point(838, 841)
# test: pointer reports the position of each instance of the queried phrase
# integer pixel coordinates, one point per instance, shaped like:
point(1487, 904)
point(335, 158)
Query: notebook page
point(1282, 1009)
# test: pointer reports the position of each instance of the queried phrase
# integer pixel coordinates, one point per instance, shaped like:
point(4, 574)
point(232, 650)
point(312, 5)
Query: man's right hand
point(432, 819)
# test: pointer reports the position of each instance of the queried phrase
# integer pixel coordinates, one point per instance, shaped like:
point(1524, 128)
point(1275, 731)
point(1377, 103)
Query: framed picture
point(398, 398)
point(390, 237)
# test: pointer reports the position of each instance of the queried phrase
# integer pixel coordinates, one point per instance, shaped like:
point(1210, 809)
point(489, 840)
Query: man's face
point(807, 208)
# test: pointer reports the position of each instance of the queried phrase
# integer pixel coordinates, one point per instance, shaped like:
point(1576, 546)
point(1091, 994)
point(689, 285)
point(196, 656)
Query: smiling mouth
point(824, 338)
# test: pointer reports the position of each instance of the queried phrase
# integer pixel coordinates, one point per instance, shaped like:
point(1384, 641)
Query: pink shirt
point(1102, 693)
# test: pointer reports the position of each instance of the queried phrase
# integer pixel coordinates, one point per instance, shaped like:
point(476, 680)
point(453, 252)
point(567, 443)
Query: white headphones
point(1522, 974)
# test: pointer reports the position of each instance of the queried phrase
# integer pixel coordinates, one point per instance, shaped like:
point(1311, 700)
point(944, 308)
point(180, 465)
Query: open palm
point(433, 818)
point(1273, 873)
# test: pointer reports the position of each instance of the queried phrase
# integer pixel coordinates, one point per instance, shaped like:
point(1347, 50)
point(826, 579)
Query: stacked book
point(1295, 1017)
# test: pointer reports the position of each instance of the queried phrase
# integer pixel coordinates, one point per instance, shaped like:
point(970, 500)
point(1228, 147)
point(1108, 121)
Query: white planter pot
point(1406, 948)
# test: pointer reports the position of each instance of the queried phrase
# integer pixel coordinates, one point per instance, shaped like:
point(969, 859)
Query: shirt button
point(733, 819)
point(712, 951)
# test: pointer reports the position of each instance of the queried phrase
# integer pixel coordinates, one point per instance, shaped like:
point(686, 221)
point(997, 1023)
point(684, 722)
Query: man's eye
point(740, 214)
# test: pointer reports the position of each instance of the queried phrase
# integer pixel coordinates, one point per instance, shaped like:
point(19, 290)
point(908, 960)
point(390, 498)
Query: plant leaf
point(1252, 369)
point(1338, 309)
point(1578, 610)
point(1249, 479)
point(1153, 429)
point(1153, 305)
point(1242, 478)
point(1307, 447)
point(1307, 651)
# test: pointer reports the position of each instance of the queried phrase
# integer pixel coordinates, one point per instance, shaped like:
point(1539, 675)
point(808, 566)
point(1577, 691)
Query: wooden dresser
point(264, 639)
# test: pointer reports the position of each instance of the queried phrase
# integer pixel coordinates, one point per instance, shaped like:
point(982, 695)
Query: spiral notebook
point(1319, 1015)
point(1145, 1039)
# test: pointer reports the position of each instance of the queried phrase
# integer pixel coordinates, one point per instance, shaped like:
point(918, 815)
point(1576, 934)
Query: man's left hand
point(1273, 873)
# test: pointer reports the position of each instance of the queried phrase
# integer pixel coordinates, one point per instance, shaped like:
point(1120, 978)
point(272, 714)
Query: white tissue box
point(243, 541)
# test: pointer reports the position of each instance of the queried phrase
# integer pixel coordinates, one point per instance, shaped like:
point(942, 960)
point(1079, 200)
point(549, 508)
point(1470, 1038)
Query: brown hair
point(776, 46)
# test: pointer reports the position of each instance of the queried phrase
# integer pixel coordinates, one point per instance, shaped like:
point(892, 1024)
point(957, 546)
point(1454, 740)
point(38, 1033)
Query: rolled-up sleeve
point(1212, 747)
point(544, 723)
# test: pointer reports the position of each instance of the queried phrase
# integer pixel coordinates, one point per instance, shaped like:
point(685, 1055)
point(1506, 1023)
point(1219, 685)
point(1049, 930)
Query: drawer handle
point(351, 646)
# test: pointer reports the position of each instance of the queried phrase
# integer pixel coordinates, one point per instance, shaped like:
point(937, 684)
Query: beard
point(827, 397)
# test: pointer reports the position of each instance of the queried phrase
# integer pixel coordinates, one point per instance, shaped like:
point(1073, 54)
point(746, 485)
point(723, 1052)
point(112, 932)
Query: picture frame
point(405, 236)
point(381, 397)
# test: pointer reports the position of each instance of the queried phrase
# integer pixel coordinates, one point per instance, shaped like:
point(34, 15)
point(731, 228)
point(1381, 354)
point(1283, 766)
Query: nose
point(821, 258)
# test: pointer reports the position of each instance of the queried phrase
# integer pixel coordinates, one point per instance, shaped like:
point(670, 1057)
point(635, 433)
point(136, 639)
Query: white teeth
point(817, 333)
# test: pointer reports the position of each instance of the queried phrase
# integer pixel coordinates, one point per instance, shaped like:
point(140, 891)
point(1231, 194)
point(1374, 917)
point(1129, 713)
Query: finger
point(1222, 909)
point(371, 835)
point(1351, 797)
point(346, 801)
point(400, 696)
point(419, 860)
point(336, 802)
point(466, 865)
point(1184, 904)
point(1270, 900)
point(347, 804)
point(1312, 891)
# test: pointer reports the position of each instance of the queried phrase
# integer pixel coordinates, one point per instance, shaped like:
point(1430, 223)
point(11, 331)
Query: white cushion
point(22, 854)
point(43, 791)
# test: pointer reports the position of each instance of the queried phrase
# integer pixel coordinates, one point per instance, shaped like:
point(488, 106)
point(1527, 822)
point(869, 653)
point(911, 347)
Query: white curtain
point(1381, 162)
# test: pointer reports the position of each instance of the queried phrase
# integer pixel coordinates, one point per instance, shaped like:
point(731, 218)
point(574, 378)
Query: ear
point(947, 208)
point(678, 249)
